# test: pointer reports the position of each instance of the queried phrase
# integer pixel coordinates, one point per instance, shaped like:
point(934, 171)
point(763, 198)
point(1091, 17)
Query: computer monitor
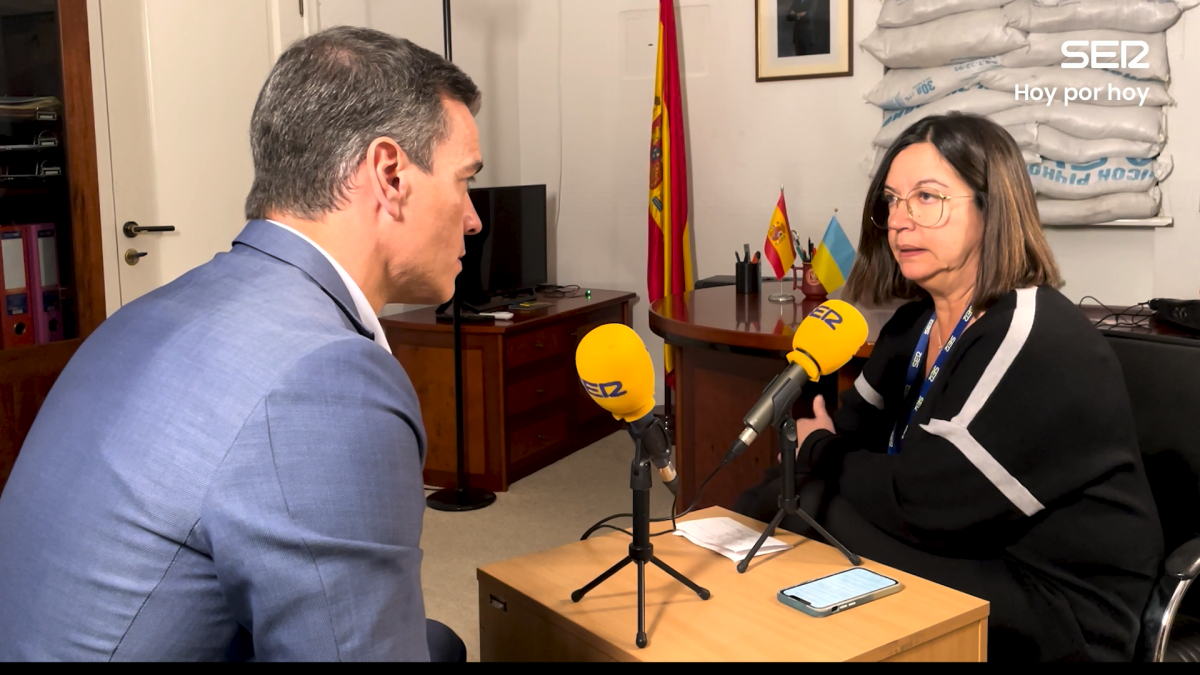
point(507, 258)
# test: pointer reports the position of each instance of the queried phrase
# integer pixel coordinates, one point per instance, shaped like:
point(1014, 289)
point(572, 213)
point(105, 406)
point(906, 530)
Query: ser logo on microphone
point(604, 390)
point(827, 315)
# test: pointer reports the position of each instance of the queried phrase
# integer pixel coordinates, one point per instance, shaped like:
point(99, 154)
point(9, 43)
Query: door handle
point(132, 229)
point(132, 256)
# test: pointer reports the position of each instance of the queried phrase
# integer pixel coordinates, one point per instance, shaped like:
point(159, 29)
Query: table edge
point(390, 322)
point(981, 611)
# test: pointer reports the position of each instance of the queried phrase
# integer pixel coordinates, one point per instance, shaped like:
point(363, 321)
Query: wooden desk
point(1136, 319)
point(524, 406)
point(525, 611)
point(728, 347)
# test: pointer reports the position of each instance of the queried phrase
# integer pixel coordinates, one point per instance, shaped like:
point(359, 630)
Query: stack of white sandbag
point(1092, 159)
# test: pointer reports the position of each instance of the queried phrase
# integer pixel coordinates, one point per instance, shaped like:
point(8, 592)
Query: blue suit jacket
point(228, 467)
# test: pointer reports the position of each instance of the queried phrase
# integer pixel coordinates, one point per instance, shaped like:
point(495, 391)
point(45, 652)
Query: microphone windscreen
point(616, 371)
point(830, 336)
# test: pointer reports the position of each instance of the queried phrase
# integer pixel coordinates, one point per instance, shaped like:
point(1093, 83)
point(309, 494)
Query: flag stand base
point(781, 297)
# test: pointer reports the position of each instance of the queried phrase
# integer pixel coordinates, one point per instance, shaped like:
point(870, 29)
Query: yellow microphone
point(616, 371)
point(824, 342)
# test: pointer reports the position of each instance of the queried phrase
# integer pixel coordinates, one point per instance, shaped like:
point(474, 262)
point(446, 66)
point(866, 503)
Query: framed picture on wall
point(803, 39)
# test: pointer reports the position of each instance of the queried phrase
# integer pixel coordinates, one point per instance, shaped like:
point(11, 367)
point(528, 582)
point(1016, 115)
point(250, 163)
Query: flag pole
point(783, 296)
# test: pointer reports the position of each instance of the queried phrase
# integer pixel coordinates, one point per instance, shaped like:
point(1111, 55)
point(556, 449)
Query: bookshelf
point(48, 174)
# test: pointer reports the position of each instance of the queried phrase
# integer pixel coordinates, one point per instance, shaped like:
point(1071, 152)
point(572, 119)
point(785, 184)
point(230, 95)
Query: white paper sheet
point(727, 537)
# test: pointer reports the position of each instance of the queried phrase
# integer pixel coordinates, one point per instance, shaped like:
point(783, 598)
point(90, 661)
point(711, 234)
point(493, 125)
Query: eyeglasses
point(925, 207)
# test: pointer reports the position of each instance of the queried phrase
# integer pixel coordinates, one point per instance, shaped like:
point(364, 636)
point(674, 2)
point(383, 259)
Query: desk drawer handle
point(498, 603)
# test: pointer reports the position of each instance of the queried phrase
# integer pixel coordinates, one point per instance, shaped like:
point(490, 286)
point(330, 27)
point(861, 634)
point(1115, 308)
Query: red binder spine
point(16, 319)
point(41, 253)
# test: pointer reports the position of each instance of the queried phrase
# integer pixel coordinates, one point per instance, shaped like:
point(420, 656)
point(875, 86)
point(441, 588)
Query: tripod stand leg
point(641, 634)
point(854, 559)
point(702, 592)
point(745, 563)
point(578, 595)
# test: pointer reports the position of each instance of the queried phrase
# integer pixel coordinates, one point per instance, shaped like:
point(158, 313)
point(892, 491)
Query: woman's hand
point(821, 420)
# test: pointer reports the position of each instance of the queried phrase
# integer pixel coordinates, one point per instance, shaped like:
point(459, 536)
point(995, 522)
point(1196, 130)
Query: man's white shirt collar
point(365, 312)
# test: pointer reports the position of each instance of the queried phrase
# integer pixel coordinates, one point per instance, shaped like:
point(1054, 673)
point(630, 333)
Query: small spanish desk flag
point(834, 257)
point(779, 247)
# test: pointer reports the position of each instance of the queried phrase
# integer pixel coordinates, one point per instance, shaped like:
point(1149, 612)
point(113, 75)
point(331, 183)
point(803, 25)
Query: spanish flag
point(669, 253)
point(779, 247)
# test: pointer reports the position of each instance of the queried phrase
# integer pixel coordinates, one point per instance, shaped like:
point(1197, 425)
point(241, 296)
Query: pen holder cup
point(748, 279)
point(810, 285)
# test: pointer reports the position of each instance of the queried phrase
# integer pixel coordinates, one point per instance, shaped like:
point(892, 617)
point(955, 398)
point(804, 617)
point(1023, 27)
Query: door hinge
point(301, 3)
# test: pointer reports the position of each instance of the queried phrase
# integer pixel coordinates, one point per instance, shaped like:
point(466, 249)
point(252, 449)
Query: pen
point(755, 261)
point(747, 251)
point(737, 257)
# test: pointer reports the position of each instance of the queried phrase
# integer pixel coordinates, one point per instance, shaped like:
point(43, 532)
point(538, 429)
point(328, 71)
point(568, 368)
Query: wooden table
point(523, 405)
point(728, 347)
point(525, 611)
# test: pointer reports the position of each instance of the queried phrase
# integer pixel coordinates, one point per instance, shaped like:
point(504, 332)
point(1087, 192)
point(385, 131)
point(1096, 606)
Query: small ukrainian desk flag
point(834, 257)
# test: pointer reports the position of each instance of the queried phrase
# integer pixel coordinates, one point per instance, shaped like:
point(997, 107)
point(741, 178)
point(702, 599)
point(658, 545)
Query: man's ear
point(388, 168)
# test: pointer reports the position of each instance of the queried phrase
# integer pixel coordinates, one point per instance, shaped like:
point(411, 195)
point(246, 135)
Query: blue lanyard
point(914, 368)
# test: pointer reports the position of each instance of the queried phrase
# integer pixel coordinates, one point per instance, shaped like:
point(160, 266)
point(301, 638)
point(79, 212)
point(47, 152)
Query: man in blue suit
point(230, 467)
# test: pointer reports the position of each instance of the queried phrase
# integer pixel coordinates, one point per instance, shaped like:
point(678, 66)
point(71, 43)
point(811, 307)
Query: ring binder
point(41, 254)
point(16, 320)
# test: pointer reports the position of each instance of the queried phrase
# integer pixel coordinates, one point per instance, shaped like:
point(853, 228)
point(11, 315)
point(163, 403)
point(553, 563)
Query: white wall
point(484, 41)
point(567, 92)
point(1172, 258)
point(1133, 265)
point(745, 138)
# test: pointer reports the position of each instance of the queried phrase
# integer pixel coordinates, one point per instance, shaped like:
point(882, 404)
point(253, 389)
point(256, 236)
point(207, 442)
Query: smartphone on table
point(839, 591)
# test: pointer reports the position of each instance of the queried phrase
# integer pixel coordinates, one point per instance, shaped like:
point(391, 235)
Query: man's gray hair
point(328, 98)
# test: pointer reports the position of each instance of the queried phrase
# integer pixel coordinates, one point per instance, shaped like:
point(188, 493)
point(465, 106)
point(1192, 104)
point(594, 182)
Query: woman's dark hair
point(1014, 253)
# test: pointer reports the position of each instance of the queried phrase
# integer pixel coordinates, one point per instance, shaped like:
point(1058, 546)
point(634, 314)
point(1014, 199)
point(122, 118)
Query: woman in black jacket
point(989, 444)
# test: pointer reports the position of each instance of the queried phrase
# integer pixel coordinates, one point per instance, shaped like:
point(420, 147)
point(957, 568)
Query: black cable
point(1125, 318)
point(673, 516)
point(559, 292)
point(618, 529)
point(674, 503)
point(603, 524)
point(699, 492)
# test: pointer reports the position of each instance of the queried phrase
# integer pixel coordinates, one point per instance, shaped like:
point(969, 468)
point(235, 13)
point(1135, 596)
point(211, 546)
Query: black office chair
point(1162, 375)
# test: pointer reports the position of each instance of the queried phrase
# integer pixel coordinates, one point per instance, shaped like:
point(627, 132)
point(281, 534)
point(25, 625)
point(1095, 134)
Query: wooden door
point(181, 81)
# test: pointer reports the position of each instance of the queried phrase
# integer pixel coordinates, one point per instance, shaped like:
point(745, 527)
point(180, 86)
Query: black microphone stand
point(641, 551)
point(789, 501)
point(461, 497)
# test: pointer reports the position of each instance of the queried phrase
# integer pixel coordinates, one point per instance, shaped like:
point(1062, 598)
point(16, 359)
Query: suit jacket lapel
point(287, 247)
